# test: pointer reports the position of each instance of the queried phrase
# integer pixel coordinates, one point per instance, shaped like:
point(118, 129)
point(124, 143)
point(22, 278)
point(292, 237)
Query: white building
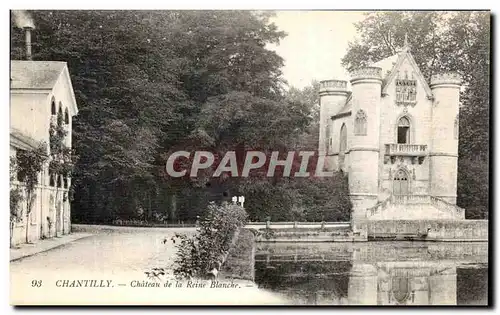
point(396, 136)
point(39, 90)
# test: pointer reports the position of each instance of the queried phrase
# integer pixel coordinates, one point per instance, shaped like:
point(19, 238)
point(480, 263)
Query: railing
point(443, 205)
point(380, 206)
point(395, 200)
point(338, 84)
point(405, 149)
point(297, 225)
point(410, 199)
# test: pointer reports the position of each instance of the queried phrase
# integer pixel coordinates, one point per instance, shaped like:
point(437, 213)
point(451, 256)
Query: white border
point(190, 4)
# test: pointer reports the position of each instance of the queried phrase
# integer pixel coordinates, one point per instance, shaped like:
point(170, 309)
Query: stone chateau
point(396, 137)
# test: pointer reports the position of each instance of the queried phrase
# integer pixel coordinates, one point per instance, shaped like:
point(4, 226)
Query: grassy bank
point(240, 262)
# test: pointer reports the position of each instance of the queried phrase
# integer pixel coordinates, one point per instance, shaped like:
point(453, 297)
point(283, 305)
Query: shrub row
point(200, 254)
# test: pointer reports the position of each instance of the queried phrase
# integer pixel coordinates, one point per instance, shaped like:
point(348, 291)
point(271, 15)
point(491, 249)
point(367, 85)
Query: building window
point(66, 116)
point(52, 180)
point(360, 123)
point(65, 179)
point(328, 136)
point(404, 130)
point(406, 92)
point(59, 181)
point(342, 146)
point(53, 107)
point(60, 115)
point(455, 128)
point(20, 174)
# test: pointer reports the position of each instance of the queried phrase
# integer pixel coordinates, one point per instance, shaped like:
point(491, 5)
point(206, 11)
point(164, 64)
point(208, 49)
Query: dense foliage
point(197, 256)
point(148, 83)
point(16, 197)
point(28, 165)
point(301, 199)
point(454, 41)
point(308, 95)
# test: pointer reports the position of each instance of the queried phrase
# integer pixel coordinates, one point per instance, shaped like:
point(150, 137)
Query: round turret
point(444, 146)
point(332, 87)
point(364, 145)
point(364, 74)
point(333, 95)
point(446, 78)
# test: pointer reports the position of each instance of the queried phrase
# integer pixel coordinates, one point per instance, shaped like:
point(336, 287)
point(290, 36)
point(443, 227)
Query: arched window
point(404, 130)
point(401, 286)
point(66, 116)
point(342, 146)
point(328, 136)
point(60, 115)
point(455, 128)
point(360, 123)
point(52, 179)
point(53, 107)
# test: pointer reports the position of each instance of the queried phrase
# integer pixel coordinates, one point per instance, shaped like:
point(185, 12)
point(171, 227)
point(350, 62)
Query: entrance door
point(401, 184)
point(401, 286)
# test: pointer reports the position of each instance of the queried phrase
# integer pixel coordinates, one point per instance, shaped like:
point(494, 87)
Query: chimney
point(28, 29)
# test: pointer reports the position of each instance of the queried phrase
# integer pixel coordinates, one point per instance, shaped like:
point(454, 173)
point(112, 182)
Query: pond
point(375, 273)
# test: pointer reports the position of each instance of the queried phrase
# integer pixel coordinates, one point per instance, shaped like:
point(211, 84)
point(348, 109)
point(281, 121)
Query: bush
point(240, 261)
point(206, 250)
point(301, 199)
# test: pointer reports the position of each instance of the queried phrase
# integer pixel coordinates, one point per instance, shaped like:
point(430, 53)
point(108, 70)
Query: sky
point(315, 45)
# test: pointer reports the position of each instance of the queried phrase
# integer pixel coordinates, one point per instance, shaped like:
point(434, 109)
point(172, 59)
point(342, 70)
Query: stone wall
point(440, 230)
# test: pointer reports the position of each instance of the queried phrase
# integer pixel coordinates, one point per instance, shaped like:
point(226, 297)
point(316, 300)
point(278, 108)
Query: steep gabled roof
point(39, 75)
point(390, 66)
point(405, 54)
point(387, 64)
point(389, 73)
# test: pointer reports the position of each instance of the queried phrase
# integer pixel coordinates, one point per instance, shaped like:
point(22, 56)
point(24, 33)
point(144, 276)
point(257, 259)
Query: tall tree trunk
point(11, 232)
point(173, 207)
point(28, 212)
point(58, 208)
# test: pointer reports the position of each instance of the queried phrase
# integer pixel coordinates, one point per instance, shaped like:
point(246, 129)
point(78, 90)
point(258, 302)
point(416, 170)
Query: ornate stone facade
point(394, 134)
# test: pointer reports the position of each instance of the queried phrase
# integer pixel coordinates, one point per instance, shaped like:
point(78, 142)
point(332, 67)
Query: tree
point(62, 159)
point(458, 41)
point(119, 79)
point(149, 81)
point(309, 96)
point(16, 197)
point(29, 165)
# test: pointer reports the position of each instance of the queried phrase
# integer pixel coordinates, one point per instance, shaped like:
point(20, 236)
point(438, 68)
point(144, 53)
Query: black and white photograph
point(250, 157)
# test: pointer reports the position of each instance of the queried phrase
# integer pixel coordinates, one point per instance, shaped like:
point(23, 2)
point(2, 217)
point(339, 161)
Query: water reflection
point(375, 273)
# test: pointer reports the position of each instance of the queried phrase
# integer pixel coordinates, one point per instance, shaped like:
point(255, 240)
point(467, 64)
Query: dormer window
point(406, 92)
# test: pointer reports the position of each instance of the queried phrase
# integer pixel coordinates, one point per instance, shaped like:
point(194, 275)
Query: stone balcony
point(399, 149)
